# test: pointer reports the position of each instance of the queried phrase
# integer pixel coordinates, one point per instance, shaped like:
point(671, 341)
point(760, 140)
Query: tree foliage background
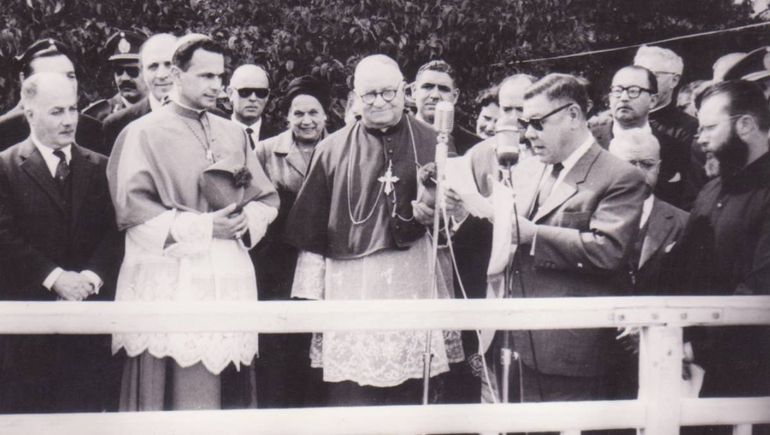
point(484, 40)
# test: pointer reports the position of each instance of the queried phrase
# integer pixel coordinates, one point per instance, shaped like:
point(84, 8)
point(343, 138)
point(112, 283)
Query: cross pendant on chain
point(388, 179)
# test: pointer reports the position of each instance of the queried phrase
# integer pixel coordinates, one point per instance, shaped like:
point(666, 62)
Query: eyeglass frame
point(119, 70)
point(247, 92)
point(537, 122)
point(627, 89)
point(374, 94)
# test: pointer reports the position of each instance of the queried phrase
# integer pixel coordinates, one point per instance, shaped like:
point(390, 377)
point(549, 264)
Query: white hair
point(653, 58)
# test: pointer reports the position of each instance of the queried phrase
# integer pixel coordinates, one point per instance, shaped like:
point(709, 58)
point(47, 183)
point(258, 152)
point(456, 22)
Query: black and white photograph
point(385, 217)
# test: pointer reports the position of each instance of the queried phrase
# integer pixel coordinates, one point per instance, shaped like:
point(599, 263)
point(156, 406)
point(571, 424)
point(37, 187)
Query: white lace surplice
point(197, 268)
point(376, 358)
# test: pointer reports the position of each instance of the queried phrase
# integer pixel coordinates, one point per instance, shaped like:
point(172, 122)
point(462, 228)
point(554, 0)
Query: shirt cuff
point(534, 240)
point(96, 282)
point(50, 280)
point(309, 276)
point(259, 217)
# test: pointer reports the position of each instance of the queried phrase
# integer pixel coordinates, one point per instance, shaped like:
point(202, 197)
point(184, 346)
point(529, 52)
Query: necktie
point(249, 132)
point(546, 187)
point(62, 169)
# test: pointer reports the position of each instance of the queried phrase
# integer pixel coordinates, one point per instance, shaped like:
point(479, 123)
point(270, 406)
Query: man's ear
point(654, 98)
point(455, 95)
point(675, 80)
point(745, 125)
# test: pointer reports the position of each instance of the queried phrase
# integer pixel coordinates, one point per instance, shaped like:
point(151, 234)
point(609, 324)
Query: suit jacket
point(585, 229)
point(116, 122)
point(14, 129)
point(40, 231)
point(664, 228)
point(681, 162)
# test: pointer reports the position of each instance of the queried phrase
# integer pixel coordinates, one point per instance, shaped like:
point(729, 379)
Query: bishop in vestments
point(354, 225)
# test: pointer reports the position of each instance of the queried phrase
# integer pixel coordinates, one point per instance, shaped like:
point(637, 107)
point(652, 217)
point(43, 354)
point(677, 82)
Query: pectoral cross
point(388, 179)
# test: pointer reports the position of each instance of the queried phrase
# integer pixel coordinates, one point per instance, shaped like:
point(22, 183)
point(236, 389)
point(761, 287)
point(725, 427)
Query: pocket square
point(676, 178)
point(669, 247)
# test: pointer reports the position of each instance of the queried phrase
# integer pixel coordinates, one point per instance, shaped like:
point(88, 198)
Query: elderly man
point(660, 228)
point(284, 379)
point(47, 55)
point(186, 236)
point(725, 249)
point(248, 92)
point(354, 224)
point(57, 242)
point(123, 51)
point(579, 209)
point(435, 82)
point(682, 171)
point(155, 61)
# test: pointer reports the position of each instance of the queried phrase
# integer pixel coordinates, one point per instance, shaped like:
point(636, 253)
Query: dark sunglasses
point(259, 92)
point(537, 123)
point(131, 71)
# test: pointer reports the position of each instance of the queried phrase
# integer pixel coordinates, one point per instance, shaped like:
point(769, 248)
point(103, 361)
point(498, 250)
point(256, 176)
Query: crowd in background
point(158, 193)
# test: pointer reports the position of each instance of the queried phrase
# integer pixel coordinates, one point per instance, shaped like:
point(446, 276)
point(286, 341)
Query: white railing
point(660, 409)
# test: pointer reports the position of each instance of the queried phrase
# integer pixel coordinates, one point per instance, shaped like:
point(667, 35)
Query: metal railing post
point(660, 378)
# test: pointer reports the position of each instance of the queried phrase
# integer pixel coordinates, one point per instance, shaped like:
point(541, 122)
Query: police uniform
point(122, 46)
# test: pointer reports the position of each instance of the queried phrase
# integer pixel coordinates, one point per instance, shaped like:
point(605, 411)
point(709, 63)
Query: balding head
point(511, 98)
point(50, 102)
point(252, 82)
point(155, 58)
point(378, 77)
point(640, 148)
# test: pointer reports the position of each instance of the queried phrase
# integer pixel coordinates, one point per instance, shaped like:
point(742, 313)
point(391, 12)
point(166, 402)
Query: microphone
point(443, 123)
point(507, 149)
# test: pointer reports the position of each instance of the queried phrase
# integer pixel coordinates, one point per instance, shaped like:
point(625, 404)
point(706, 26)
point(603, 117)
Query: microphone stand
point(441, 153)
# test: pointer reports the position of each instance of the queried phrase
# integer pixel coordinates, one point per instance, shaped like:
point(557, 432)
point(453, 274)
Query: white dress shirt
point(255, 128)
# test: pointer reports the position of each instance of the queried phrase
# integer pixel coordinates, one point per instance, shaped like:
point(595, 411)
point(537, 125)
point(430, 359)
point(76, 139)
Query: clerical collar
point(187, 112)
point(661, 108)
point(390, 130)
point(618, 130)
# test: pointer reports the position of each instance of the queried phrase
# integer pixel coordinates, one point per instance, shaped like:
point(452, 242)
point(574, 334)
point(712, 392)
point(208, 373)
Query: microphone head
point(444, 118)
point(507, 149)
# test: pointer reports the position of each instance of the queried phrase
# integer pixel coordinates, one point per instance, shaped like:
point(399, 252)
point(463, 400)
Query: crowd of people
point(157, 194)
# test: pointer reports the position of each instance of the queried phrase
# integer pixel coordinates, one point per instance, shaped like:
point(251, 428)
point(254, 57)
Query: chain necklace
point(204, 143)
point(386, 181)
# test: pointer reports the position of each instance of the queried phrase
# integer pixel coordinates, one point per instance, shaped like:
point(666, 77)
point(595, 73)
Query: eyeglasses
point(633, 91)
point(388, 95)
point(537, 123)
point(708, 128)
point(131, 71)
point(261, 93)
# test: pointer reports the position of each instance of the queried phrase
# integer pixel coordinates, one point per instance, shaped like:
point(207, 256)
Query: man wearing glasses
point(248, 92)
point(578, 213)
point(682, 172)
point(355, 226)
point(123, 51)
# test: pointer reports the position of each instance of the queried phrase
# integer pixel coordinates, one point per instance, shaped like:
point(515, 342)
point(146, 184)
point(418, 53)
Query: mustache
point(127, 85)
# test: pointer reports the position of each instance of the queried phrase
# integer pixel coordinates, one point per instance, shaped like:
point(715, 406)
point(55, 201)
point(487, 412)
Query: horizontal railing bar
point(307, 316)
point(434, 419)
point(551, 416)
point(724, 411)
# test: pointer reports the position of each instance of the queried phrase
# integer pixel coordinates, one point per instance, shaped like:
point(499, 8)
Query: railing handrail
point(310, 316)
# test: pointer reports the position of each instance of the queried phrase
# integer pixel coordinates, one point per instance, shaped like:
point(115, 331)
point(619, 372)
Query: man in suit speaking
point(579, 209)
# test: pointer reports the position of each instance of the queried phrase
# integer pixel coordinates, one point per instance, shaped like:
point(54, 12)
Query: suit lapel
point(82, 171)
point(34, 165)
point(658, 229)
point(568, 186)
point(293, 155)
point(526, 185)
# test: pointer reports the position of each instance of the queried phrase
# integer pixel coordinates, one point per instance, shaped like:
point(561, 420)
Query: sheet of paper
point(460, 179)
